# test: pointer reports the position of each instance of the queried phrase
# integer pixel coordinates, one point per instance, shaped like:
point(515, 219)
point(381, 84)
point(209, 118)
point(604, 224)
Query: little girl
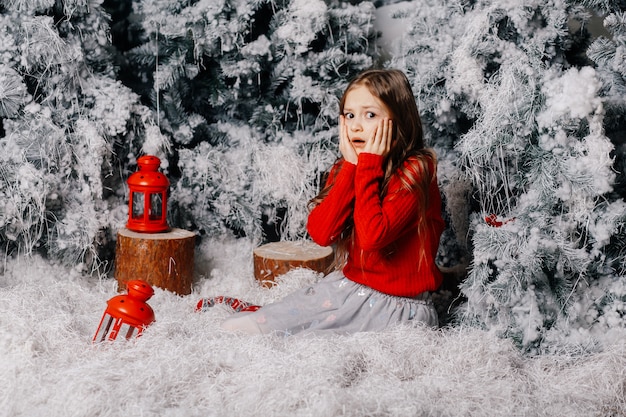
point(381, 208)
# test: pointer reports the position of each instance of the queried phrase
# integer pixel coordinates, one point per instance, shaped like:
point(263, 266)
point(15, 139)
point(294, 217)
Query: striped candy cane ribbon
point(205, 303)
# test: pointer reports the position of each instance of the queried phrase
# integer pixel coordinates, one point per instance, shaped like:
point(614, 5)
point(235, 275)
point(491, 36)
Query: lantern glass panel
point(127, 331)
point(156, 206)
point(105, 326)
point(138, 203)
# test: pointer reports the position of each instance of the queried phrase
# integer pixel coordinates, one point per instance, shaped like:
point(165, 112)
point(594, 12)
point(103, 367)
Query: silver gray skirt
point(338, 305)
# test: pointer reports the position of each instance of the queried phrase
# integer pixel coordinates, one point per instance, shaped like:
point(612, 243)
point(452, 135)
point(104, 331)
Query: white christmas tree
point(248, 91)
point(63, 117)
point(532, 157)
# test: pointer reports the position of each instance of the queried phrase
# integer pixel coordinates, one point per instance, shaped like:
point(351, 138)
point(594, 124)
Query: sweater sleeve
point(327, 220)
point(380, 222)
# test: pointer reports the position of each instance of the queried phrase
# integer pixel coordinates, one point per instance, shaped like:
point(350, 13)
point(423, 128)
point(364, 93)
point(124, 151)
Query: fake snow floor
point(185, 365)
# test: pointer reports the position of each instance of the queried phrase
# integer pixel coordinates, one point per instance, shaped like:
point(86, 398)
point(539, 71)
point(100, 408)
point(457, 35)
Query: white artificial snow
point(574, 94)
point(44, 46)
point(306, 19)
point(260, 47)
point(274, 175)
point(155, 143)
point(112, 105)
point(185, 365)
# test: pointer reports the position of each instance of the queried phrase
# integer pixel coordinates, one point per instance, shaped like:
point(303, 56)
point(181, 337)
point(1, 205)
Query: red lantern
point(127, 314)
point(147, 205)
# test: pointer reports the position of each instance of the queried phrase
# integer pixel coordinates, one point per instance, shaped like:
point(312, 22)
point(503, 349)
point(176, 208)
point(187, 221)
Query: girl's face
point(362, 112)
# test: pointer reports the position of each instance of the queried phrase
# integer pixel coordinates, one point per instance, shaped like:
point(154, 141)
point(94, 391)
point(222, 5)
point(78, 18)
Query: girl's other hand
point(345, 146)
point(381, 142)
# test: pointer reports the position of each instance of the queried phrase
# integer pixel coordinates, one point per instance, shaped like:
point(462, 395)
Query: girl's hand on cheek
point(380, 143)
point(345, 146)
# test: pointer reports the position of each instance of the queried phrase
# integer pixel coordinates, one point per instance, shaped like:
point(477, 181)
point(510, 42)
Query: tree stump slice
point(165, 260)
point(277, 258)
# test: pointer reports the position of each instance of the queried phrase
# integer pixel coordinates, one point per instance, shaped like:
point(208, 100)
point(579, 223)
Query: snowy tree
point(533, 159)
point(63, 116)
point(605, 306)
point(248, 91)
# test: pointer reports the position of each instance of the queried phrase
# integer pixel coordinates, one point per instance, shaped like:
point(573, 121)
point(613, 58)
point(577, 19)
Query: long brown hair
point(407, 155)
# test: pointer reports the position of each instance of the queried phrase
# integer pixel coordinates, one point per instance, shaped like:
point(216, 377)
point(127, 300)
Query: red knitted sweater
point(384, 252)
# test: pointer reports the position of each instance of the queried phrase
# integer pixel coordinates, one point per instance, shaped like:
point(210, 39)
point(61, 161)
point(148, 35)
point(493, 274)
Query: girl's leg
point(337, 305)
point(242, 322)
point(296, 312)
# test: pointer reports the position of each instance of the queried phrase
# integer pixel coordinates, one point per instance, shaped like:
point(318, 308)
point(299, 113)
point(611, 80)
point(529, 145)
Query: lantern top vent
point(148, 163)
point(148, 174)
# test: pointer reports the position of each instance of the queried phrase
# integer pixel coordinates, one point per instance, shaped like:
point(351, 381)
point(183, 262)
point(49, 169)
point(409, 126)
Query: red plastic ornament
point(147, 205)
point(127, 314)
point(492, 220)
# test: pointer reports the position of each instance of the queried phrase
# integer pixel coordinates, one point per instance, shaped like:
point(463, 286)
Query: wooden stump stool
point(278, 258)
point(164, 259)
